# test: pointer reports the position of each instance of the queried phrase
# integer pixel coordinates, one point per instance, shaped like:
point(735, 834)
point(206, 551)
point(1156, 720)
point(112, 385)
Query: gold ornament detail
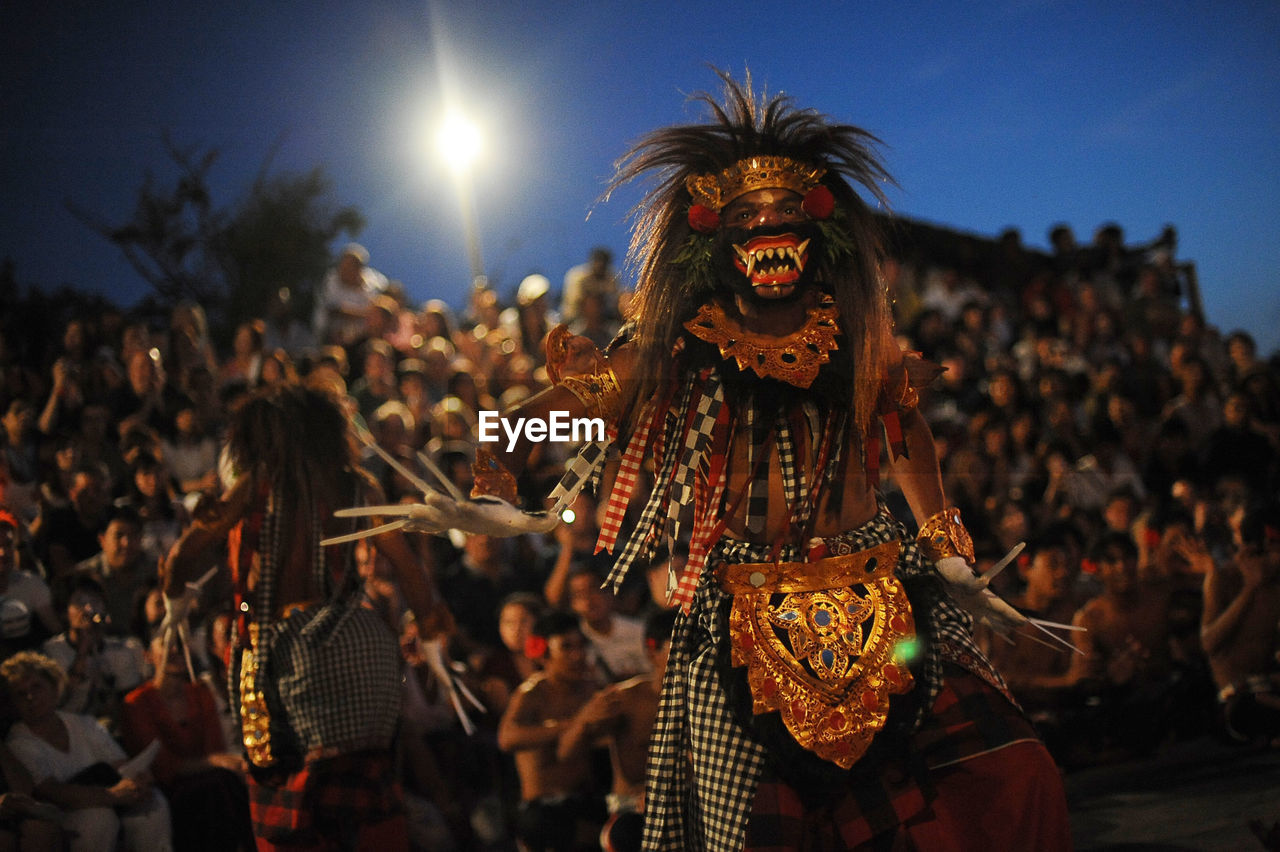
point(255, 717)
point(575, 364)
point(944, 535)
point(598, 392)
point(716, 189)
point(795, 358)
point(490, 477)
point(825, 644)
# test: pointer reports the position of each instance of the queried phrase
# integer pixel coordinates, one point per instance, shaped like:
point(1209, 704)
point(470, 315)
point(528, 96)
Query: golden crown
point(717, 190)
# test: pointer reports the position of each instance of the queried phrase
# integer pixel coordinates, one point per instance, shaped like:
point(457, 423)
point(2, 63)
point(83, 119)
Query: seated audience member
point(20, 450)
point(444, 774)
point(96, 442)
point(1103, 471)
point(75, 764)
point(504, 669)
point(1238, 630)
point(574, 549)
point(26, 605)
point(484, 573)
point(26, 825)
point(100, 668)
point(1120, 510)
point(1179, 562)
point(621, 716)
point(56, 479)
point(218, 633)
point(1032, 668)
point(161, 517)
point(121, 567)
point(69, 535)
point(377, 382)
point(147, 399)
point(1125, 660)
point(245, 361)
point(203, 781)
point(617, 642)
point(558, 808)
point(596, 322)
point(284, 331)
point(1238, 447)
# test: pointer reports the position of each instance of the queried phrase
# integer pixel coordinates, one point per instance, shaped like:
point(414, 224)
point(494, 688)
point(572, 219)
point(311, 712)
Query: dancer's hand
point(960, 576)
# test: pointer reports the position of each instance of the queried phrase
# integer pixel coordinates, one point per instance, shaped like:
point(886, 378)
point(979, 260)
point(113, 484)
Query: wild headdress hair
point(801, 147)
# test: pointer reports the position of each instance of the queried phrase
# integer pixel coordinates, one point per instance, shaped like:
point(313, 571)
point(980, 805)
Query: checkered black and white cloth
point(332, 669)
point(337, 670)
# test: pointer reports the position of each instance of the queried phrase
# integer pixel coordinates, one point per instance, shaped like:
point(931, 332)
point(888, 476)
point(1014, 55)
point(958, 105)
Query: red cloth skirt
point(352, 801)
point(978, 780)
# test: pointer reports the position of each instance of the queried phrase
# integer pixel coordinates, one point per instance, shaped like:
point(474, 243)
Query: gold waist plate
point(255, 718)
point(825, 644)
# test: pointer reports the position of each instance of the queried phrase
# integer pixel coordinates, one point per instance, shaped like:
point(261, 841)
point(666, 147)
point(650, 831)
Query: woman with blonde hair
point(76, 765)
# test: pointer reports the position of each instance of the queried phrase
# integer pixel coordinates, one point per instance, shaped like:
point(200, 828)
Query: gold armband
point(944, 535)
point(575, 364)
point(491, 477)
point(598, 392)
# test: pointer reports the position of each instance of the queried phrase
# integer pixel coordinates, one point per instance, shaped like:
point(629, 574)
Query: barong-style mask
point(738, 206)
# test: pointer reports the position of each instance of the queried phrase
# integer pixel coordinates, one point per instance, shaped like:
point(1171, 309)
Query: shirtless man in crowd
point(620, 716)
point(1240, 630)
point(1124, 648)
point(1032, 668)
point(556, 806)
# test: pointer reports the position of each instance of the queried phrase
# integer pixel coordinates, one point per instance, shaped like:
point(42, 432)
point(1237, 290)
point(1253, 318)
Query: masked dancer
point(315, 676)
point(823, 690)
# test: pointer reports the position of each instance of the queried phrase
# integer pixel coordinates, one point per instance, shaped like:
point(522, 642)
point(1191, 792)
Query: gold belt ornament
point(255, 718)
point(825, 644)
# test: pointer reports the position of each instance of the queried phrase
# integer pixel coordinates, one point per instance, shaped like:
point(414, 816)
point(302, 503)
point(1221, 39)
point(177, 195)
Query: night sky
point(994, 115)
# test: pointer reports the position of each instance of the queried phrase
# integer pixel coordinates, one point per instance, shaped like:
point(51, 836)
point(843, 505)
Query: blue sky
point(1000, 114)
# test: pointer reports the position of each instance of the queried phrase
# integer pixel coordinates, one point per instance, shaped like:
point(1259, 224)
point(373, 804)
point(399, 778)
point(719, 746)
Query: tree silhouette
point(229, 258)
point(280, 236)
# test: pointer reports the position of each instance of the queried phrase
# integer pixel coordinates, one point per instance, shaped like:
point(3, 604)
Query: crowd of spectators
point(1086, 410)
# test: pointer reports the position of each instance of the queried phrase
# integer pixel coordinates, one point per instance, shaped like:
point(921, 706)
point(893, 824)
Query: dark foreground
point(1196, 795)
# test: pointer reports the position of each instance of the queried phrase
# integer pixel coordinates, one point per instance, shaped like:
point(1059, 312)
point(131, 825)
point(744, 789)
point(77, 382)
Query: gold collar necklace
point(795, 358)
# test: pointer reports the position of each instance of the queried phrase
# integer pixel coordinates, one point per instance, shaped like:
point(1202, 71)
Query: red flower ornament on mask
point(535, 647)
point(819, 203)
point(703, 219)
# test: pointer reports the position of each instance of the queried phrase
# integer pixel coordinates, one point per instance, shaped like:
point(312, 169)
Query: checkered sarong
point(337, 672)
point(331, 670)
point(703, 766)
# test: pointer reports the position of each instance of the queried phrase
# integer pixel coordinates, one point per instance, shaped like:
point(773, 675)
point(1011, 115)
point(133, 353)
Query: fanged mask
point(769, 266)
point(771, 261)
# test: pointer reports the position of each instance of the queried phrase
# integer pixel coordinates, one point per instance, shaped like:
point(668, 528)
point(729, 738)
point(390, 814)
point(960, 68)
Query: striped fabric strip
point(698, 433)
point(625, 482)
point(758, 428)
point(584, 465)
point(709, 522)
point(644, 535)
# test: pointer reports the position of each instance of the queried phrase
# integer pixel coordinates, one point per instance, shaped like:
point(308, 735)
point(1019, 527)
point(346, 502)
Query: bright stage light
point(459, 142)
